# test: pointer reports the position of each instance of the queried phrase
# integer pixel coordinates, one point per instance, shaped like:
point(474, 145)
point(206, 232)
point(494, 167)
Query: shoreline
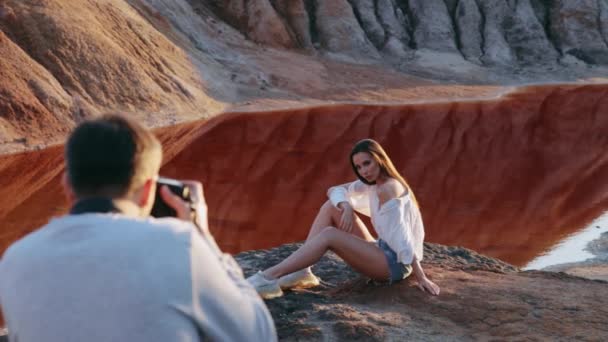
point(595, 267)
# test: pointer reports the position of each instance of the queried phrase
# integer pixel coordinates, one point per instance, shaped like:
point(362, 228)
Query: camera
point(160, 208)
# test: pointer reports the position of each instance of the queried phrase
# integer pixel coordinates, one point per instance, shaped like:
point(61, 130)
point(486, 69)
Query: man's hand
point(185, 209)
point(348, 217)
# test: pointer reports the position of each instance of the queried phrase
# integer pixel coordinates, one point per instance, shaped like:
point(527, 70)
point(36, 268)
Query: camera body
point(160, 208)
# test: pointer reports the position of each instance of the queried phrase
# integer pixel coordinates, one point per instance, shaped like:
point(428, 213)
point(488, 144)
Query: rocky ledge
point(481, 299)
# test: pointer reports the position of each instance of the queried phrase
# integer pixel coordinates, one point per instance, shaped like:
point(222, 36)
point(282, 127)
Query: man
point(109, 272)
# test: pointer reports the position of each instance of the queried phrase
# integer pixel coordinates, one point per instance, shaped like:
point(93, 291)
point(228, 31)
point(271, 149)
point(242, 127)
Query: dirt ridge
point(482, 299)
point(489, 32)
point(484, 171)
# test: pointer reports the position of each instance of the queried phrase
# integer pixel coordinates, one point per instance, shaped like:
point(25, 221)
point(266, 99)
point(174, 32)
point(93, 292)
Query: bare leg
point(329, 216)
point(364, 256)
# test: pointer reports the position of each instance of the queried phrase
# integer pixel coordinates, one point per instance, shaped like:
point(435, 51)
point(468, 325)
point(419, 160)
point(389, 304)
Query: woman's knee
point(329, 234)
point(329, 208)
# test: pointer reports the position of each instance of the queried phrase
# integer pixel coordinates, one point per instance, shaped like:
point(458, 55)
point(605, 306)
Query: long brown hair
point(386, 165)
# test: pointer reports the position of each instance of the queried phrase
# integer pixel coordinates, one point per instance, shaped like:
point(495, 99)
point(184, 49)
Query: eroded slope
point(508, 177)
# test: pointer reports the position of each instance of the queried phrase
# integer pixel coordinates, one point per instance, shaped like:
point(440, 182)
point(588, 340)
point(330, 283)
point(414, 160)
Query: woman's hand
point(348, 217)
point(426, 285)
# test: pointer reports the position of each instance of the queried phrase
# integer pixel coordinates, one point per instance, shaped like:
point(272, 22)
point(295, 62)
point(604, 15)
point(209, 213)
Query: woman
point(379, 192)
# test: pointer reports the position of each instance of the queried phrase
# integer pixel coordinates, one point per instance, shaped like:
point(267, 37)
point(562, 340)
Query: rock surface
point(481, 299)
point(527, 32)
point(579, 29)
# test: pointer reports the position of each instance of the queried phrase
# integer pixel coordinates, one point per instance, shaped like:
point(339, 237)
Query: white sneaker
point(267, 289)
point(303, 278)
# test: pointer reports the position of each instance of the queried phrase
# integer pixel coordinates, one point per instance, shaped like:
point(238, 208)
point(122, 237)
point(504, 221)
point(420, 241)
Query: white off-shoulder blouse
point(397, 221)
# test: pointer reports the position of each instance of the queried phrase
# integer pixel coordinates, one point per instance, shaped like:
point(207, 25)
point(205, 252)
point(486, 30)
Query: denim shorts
point(397, 270)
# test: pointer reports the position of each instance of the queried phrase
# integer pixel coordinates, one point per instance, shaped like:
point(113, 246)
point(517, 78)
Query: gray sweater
point(108, 277)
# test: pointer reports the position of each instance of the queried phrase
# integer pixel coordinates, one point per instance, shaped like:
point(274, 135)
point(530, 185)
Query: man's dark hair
point(110, 156)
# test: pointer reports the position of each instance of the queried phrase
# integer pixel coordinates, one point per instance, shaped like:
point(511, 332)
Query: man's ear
point(147, 193)
point(67, 188)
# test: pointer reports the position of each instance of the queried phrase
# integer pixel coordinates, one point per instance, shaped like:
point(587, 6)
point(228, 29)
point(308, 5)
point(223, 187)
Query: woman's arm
point(424, 283)
point(347, 198)
point(342, 192)
point(338, 196)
